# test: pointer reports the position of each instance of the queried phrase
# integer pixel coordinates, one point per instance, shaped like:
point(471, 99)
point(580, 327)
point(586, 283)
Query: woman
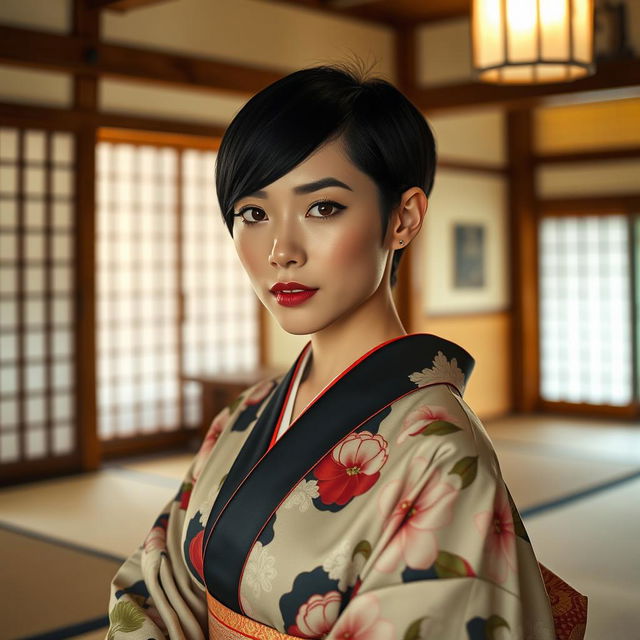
point(357, 496)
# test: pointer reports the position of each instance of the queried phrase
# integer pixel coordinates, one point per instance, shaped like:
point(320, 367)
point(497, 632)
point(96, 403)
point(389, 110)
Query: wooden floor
point(576, 483)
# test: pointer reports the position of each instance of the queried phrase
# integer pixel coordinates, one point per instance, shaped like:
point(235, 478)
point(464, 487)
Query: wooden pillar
point(86, 23)
point(523, 216)
point(405, 47)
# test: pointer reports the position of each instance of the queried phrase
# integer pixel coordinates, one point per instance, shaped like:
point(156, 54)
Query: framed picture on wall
point(468, 256)
point(465, 243)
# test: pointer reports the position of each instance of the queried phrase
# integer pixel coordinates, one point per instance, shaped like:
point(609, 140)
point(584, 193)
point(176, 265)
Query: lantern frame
point(537, 69)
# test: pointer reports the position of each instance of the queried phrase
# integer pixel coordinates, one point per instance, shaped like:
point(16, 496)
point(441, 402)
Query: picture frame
point(465, 245)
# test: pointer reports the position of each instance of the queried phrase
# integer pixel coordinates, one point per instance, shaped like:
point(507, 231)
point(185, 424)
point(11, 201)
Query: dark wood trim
point(120, 5)
point(14, 473)
point(376, 13)
point(85, 56)
point(158, 139)
point(630, 412)
point(406, 64)
point(592, 205)
point(75, 119)
point(609, 75)
point(86, 24)
point(470, 165)
point(594, 155)
point(523, 231)
point(147, 443)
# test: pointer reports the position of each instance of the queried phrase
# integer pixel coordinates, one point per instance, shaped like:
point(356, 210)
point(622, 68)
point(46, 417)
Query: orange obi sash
point(568, 606)
point(226, 624)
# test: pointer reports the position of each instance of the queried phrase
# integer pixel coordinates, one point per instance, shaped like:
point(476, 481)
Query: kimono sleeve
point(153, 595)
point(453, 560)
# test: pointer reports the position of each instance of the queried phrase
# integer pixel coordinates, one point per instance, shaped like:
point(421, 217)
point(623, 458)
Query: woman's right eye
point(252, 215)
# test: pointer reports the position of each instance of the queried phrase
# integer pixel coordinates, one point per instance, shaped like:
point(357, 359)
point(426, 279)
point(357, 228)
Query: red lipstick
point(291, 294)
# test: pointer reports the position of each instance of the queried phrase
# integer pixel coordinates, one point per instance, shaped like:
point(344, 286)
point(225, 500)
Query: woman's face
point(286, 233)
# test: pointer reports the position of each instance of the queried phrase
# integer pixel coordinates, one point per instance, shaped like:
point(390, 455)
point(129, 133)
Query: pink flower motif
point(213, 433)
point(419, 419)
point(259, 393)
point(414, 520)
point(361, 621)
point(156, 539)
point(317, 615)
point(351, 468)
point(500, 541)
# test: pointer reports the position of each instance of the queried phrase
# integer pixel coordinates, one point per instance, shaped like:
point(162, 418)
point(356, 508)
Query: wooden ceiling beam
point(82, 55)
point(76, 54)
point(120, 5)
point(609, 75)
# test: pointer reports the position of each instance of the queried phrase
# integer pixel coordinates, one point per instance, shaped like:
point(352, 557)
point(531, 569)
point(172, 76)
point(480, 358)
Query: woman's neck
point(340, 344)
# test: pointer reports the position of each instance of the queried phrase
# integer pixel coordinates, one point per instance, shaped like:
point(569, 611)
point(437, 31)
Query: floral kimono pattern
point(380, 514)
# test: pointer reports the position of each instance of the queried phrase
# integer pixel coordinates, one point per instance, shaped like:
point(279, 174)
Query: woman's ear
point(407, 218)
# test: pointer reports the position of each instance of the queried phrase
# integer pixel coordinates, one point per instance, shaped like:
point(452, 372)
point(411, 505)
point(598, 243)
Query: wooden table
point(220, 390)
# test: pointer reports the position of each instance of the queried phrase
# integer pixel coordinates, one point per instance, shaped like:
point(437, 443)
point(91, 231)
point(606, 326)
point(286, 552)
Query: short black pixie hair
point(385, 136)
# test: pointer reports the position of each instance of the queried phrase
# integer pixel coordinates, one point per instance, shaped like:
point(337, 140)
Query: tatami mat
point(572, 480)
point(585, 438)
point(594, 545)
point(45, 586)
point(109, 510)
point(173, 466)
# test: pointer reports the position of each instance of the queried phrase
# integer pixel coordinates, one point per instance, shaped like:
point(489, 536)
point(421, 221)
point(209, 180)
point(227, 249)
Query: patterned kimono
point(380, 513)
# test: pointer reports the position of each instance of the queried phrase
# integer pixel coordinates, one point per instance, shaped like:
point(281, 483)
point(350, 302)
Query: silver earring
point(401, 241)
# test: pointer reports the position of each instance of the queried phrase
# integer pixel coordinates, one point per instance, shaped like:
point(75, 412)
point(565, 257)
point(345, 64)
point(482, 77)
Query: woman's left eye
point(325, 208)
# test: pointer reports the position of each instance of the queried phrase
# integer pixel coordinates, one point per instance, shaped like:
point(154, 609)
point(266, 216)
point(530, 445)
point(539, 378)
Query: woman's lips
point(293, 299)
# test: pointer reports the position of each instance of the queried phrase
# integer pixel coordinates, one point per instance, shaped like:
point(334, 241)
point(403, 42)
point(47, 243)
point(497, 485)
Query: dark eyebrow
point(307, 188)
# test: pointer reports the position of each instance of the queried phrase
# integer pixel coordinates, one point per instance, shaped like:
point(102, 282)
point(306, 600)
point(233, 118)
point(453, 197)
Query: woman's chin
point(299, 326)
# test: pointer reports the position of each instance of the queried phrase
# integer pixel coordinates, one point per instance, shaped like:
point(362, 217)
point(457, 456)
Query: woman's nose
point(286, 250)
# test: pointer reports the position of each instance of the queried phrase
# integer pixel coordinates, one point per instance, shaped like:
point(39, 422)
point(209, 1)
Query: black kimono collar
point(261, 477)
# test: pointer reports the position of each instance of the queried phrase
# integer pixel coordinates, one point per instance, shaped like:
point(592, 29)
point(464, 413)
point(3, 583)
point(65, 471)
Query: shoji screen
point(137, 290)
point(220, 331)
point(585, 310)
point(37, 390)
point(173, 299)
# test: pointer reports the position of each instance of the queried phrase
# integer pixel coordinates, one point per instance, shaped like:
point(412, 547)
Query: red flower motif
point(195, 554)
point(185, 495)
point(351, 468)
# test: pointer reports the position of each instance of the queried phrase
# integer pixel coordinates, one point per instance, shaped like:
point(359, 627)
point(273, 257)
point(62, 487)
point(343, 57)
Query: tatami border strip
point(70, 631)
point(42, 537)
point(579, 495)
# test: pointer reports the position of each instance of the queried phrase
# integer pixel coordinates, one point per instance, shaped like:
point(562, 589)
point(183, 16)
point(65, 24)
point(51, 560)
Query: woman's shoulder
point(436, 417)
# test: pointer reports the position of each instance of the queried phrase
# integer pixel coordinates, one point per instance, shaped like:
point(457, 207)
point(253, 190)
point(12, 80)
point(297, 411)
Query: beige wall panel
point(476, 136)
point(282, 347)
point(128, 97)
point(595, 125)
point(602, 178)
point(444, 52)
point(28, 86)
point(252, 32)
point(45, 15)
point(487, 339)
point(464, 197)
